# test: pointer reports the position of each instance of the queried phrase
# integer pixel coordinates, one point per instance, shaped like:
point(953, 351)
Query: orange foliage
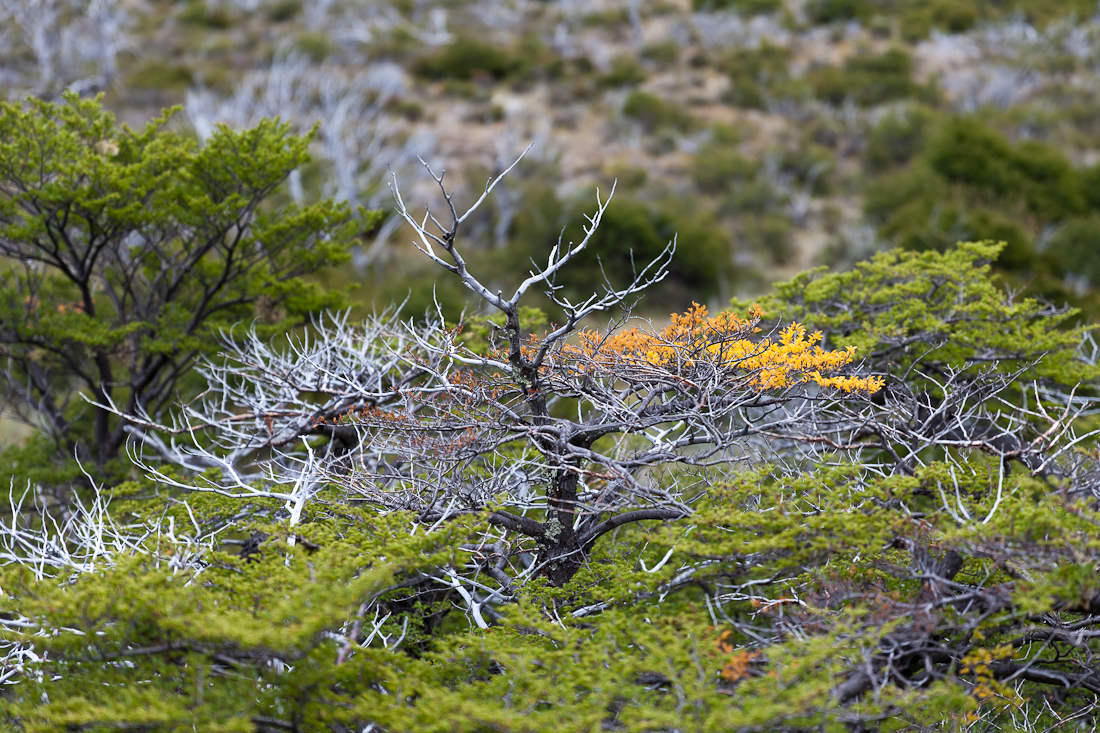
point(740, 664)
point(723, 341)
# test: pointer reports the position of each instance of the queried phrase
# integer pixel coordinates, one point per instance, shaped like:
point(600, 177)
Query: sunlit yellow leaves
point(725, 344)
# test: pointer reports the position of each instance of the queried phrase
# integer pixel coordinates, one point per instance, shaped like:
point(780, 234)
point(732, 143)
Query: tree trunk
point(559, 548)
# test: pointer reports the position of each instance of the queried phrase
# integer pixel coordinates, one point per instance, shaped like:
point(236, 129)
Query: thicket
point(868, 501)
point(957, 177)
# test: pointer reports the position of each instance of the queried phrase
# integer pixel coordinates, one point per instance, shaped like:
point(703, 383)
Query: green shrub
point(716, 168)
point(665, 52)
point(158, 74)
point(654, 113)
point(1090, 187)
point(197, 13)
point(748, 7)
point(808, 163)
point(1018, 255)
point(467, 59)
point(968, 152)
point(284, 10)
point(867, 80)
point(754, 72)
point(831, 11)
point(1075, 249)
point(316, 46)
point(751, 196)
point(631, 234)
point(950, 16)
point(770, 234)
point(624, 72)
point(903, 194)
point(897, 139)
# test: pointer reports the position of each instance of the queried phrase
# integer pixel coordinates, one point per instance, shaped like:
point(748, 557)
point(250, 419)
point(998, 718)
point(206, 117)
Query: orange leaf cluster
point(740, 664)
point(723, 341)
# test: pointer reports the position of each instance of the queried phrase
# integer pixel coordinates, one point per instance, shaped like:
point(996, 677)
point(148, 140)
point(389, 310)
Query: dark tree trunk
point(560, 549)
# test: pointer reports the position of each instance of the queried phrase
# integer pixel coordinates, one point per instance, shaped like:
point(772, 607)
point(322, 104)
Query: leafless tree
point(416, 417)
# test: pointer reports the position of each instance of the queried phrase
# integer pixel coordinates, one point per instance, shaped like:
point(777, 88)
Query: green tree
point(126, 253)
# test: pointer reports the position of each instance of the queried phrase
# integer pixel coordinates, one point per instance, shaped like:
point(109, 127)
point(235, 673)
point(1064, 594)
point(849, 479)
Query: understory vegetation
point(866, 500)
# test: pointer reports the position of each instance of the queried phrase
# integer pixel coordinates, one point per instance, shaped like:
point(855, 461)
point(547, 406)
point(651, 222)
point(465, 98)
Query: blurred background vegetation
point(766, 135)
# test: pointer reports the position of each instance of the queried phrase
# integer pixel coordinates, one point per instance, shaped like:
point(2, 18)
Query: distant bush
point(968, 152)
point(831, 11)
point(1075, 249)
point(665, 52)
point(630, 228)
point(808, 164)
point(866, 80)
point(467, 59)
point(754, 73)
point(284, 10)
point(317, 46)
point(770, 234)
point(633, 233)
point(948, 16)
point(897, 139)
point(198, 12)
point(157, 74)
point(654, 113)
point(625, 71)
point(748, 7)
point(1090, 187)
point(716, 168)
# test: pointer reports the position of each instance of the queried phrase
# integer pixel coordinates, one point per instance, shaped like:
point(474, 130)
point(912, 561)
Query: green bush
point(1075, 249)
point(158, 74)
point(316, 46)
point(625, 71)
point(754, 73)
point(197, 12)
point(896, 139)
point(748, 7)
point(467, 59)
point(950, 16)
point(1090, 187)
point(654, 113)
point(631, 234)
point(770, 234)
point(831, 11)
point(867, 80)
point(665, 52)
point(284, 10)
point(716, 168)
point(968, 152)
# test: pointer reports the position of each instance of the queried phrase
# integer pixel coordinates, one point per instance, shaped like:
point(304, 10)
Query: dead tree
point(557, 438)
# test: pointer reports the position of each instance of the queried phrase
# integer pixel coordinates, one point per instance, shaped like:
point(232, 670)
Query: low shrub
point(748, 7)
point(197, 12)
point(716, 168)
point(467, 59)
point(1074, 251)
point(625, 72)
point(968, 152)
point(664, 53)
point(831, 11)
point(654, 113)
point(755, 73)
point(768, 234)
point(948, 16)
point(867, 80)
point(897, 139)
